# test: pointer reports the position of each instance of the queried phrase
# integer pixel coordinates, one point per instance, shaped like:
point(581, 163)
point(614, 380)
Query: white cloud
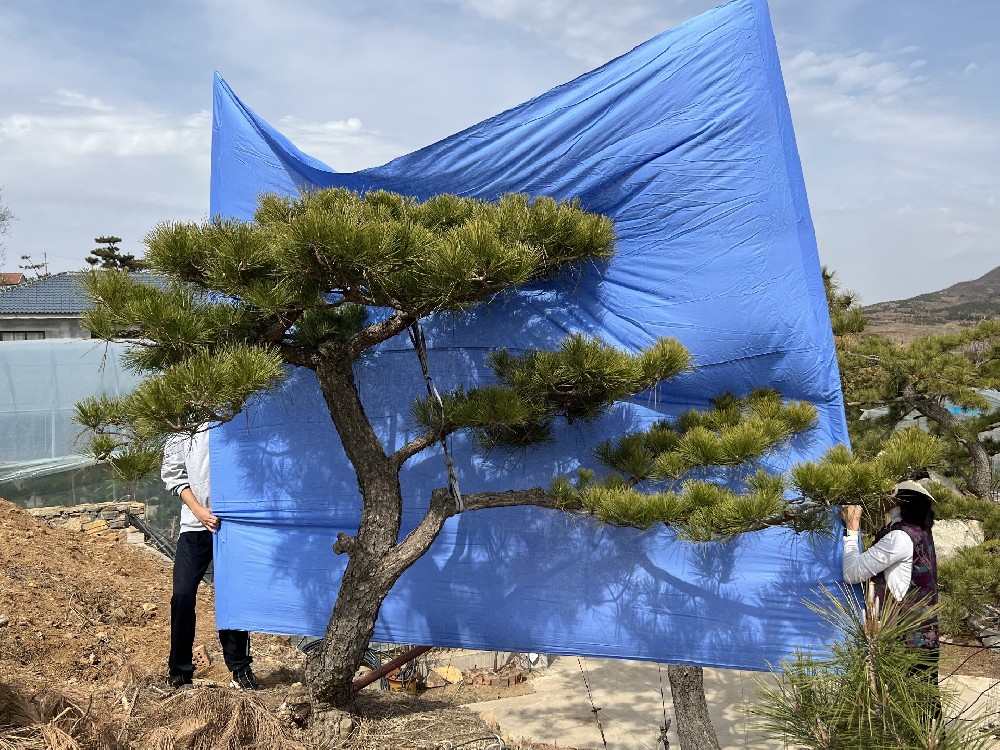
point(884, 152)
point(345, 145)
point(589, 30)
point(69, 98)
point(963, 228)
point(54, 138)
point(854, 74)
point(971, 68)
point(866, 98)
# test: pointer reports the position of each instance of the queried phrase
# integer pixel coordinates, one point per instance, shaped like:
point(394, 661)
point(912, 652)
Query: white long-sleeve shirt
point(892, 554)
point(185, 464)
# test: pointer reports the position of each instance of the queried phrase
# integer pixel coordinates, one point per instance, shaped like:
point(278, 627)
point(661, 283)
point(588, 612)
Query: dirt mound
point(79, 609)
point(84, 634)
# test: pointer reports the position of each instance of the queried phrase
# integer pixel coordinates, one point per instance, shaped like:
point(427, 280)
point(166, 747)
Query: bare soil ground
point(84, 626)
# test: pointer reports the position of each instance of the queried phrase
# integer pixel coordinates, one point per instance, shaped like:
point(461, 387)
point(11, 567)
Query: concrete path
point(628, 694)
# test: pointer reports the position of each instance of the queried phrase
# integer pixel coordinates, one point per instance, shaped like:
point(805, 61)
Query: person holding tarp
point(902, 562)
point(185, 472)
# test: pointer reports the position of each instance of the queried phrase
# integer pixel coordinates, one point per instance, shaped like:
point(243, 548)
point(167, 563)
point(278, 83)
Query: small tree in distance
point(300, 284)
point(110, 256)
point(39, 268)
point(6, 217)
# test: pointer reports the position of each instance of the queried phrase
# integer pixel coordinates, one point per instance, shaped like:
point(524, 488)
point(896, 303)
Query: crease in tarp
point(686, 142)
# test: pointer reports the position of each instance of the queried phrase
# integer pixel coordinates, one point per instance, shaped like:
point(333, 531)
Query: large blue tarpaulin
point(687, 143)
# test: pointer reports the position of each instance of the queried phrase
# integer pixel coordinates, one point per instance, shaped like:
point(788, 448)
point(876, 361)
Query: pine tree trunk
point(330, 672)
point(372, 567)
point(980, 481)
point(694, 725)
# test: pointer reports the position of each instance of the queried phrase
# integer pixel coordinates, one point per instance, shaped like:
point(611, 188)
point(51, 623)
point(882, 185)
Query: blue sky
point(105, 109)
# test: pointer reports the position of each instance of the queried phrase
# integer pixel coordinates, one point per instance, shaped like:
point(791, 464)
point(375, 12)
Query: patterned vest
point(923, 582)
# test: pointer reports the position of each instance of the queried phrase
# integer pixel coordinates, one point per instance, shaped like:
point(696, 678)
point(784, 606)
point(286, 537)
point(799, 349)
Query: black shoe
point(179, 680)
point(244, 680)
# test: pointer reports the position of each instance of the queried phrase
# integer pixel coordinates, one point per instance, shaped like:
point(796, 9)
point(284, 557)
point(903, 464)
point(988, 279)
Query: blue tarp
point(687, 143)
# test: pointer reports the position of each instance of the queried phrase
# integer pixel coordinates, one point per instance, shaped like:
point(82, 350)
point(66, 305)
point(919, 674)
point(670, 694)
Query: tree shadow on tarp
point(522, 579)
point(527, 579)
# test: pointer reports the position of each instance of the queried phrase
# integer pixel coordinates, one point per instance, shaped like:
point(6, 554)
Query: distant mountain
point(951, 309)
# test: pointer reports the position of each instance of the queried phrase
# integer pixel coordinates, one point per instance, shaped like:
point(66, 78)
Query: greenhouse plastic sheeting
point(686, 142)
point(40, 383)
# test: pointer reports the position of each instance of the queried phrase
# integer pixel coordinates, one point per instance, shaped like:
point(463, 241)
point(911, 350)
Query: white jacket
point(185, 464)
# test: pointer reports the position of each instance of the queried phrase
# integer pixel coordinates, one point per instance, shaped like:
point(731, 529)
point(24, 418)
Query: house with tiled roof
point(46, 308)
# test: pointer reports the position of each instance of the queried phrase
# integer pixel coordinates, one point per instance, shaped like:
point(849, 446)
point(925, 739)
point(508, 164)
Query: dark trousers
point(194, 555)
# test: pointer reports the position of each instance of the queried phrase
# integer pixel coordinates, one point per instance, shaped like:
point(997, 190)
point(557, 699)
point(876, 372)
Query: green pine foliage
point(382, 249)
point(577, 381)
point(241, 300)
point(946, 366)
point(846, 317)
point(701, 473)
point(109, 256)
point(969, 587)
point(861, 694)
point(927, 376)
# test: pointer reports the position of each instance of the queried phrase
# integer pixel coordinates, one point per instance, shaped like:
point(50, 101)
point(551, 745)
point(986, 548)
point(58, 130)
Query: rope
point(665, 726)
point(420, 347)
point(593, 709)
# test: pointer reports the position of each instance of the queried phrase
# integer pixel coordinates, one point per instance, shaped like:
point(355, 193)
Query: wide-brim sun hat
point(910, 486)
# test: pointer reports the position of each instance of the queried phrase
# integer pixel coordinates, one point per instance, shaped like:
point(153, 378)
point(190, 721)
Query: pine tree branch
point(418, 445)
point(442, 507)
point(278, 329)
point(299, 356)
point(398, 322)
point(930, 408)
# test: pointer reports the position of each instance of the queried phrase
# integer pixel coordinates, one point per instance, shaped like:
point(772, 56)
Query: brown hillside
point(951, 309)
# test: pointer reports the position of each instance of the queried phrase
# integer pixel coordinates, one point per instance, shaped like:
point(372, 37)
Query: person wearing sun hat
point(901, 561)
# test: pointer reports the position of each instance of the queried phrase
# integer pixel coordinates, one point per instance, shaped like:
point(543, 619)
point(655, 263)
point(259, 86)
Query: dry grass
point(385, 720)
point(51, 719)
point(214, 719)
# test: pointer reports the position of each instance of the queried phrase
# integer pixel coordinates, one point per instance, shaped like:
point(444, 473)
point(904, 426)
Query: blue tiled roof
point(59, 294)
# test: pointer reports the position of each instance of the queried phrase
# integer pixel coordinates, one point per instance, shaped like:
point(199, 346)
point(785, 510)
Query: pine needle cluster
point(311, 279)
point(577, 381)
point(701, 473)
point(866, 692)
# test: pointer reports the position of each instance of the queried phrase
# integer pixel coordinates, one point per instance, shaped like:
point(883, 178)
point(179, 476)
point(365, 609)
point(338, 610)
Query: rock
point(452, 674)
point(134, 536)
point(3, 620)
point(954, 535)
point(94, 527)
point(435, 680)
point(202, 661)
point(331, 727)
